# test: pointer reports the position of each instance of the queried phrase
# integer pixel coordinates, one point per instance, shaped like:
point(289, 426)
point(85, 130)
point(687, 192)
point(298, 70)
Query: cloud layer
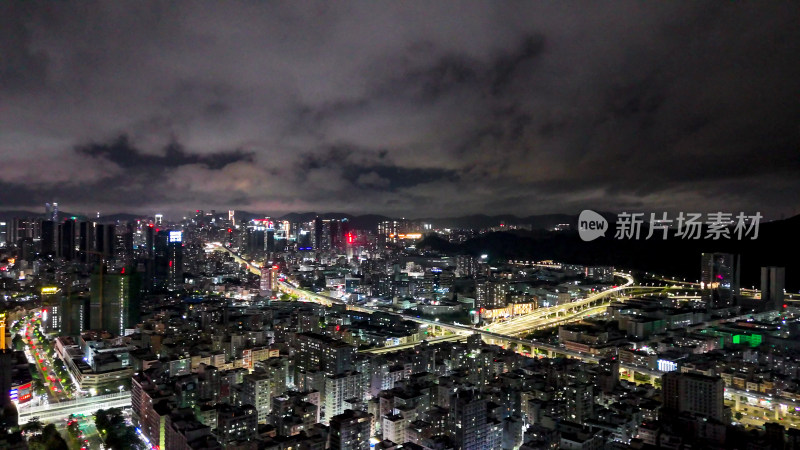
point(401, 108)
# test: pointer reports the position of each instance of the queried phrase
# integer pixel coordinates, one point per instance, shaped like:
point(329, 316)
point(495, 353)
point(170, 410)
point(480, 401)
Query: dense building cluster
point(303, 332)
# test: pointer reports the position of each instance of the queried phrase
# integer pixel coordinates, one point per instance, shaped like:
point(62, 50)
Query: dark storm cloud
point(393, 177)
point(22, 67)
point(412, 108)
point(122, 153)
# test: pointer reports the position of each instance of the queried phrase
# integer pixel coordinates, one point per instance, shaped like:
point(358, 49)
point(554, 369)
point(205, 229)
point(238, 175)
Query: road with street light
point(37, 353)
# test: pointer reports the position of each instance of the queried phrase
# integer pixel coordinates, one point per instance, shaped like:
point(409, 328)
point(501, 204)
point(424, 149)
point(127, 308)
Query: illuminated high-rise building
point(469, 422)
point(269, 280)
point(491, 294)
point(22, 228)
point(149, 240)
point(304, 239)
point(175, 260)
point(719, 281)
point(168, 259)
point(52, 310)
point(288, 234)
point(256, 239)
point(316, 352)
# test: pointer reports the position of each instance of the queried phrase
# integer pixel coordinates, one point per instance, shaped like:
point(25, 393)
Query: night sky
point(417, 109)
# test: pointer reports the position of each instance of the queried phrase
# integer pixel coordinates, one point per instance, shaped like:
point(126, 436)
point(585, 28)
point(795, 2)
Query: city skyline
point(416, 110)
point(416, 225)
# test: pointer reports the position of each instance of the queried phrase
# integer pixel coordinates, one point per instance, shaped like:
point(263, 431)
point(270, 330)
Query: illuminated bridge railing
point(54, 412)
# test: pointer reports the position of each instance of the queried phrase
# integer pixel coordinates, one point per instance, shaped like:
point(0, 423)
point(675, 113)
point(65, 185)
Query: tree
point(17, 342)
point(102, 419)
point(34, 426)
point(38, 386)
point(48, 440)
point(117, 434)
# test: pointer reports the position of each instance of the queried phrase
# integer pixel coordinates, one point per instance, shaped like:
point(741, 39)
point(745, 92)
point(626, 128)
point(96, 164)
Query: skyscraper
point(490, 294)
point(51, 211)
point(174, 260)
point(269, 279)
point(257, 391)
point(335, 237)
point(105, 239)
point(773, 282)
point(256, 239)
point(318, 234)
point(270, 240)
point(22, 228)
point(114, 303)
point(168, 260)
point(67, 239)
point(100, 237)
point(470, 425)
point(719, 282)
point(86, 241)
point(52, 312)
point(74, 315)
point(48, 241)
point(149, 241)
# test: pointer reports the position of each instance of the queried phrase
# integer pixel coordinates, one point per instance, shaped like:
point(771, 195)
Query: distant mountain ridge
point(674, 256)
